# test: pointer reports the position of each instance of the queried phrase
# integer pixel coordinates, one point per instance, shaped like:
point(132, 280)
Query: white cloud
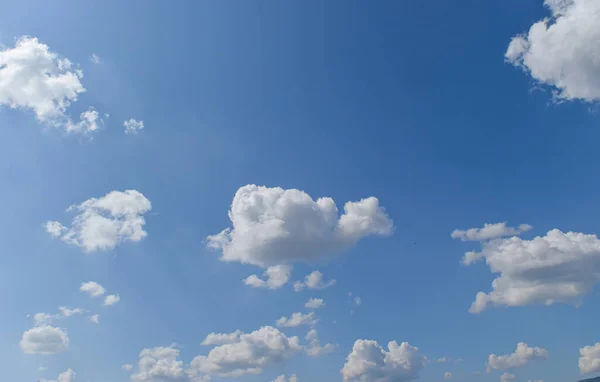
point(315, 303)
point(281, 378)
point(562, 51)
point(297, 319)
point(34, 78)
point(447, 375)
point(93, 289)
point(42, 368)
point(507, 377)
point(369, 362)
point(42, 319)
point(489, 231)
point(357, 300)
point(222, 338)
point(589, 362)
point(127, 367)
point(66, 312)
point(133, 126)
point(521, 357)
point(95, 318)
point(441, 360)
point(44, 340)
point(67, 376)
point(249, 355)
point(276, 277)
point(558, 267)
point(315, 349)
point(536, 380)
point(103, 223)
point(273, 226)
point(95, 59)
point(159, 364)
point(313, 281)
point(112, 299)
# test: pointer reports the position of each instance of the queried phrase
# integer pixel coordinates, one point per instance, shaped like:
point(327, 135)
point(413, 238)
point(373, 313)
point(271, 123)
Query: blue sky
point(431, 107)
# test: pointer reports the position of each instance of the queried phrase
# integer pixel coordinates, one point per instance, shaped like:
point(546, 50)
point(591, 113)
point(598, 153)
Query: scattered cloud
point(112, 299)
point(95, 59)
point(507, 377)
point(276, 277)
point(133, 126)
point(67, 376)
point(93, 289)
point(370, 362)
point(313, 281)
point(521, 357)
point(272, 226)
point(562, 51)
point(41, 319)
point(558, 267)
point(589, 362)
point(95, 318)
point(489, 231)
point(315, 349)
point(222, 338)
point(357, 300)
point(281, 378)
point(447, 375)
point(297, 319)
point(102, 224)
point(44, 340)
point(159, 364)
point(315, 303)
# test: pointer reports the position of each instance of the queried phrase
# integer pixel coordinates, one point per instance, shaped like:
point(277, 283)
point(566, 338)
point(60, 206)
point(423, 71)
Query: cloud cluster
point(67, 376)
point(489, 231)
point(369, 362)
point(133, 126)
point(562, 51)
point(313, 281)
point(96, 290)
point(159, 364)
point(589, 362)
point(276, 277)
point(521, 357)
point(103, 223)
point(44, 340)
point(272, 226)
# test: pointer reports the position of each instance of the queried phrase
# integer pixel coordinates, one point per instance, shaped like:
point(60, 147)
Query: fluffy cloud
point(589, 362)
point(112, 299)
point(562, 51)
point(132, 126)
point(67, 376)
point(369, 362)
point(44, 340)
point(273, 226)
point(507, 377)
point(101, 224)
point(315, 303)
point(34, 78)
point(159, 364)
point(315, 349)
point(249, 355)
point(313, 281)
point(276, 277)
point(558, 267)
point(93, 289)
point(222, 338)
point(521, 357)
point(489, 231)
point(281, 378)
point(297, 319)
point(42, 319)
point(447, 375)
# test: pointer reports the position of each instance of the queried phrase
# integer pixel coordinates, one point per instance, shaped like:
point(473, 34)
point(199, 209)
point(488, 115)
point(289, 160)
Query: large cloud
point(103, 223)
point(67, 376)
point(589, 362)
point(44, 340)
point(489, 231)
point(34, 78)
point(272, 226)
point(558, 267)
point(160, 364)
point(521, 357)
point(246, 354)
point(369, 362)
point(562, 51)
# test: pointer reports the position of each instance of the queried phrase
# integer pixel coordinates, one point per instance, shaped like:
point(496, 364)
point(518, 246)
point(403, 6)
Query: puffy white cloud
point(112, 299)
point(562, 51)
point(589, 362)
point(95, 318)
point(521, 357)
point(159, 364)
point(133, 126)
point(222, 338)
point(32, 77)
point(313, 281)
point(297, 319)
point(101, 224)
point(273, 226)
point(315, 303)
point(276, 277)
point(558, 267)
point(507, 377)
point(369, 362)
point(67, 376)
point(93, 289)
point(447, 375)
point(315, 349)
point(249, 355)
point(127, 367)
point(489, 231)
point(44, 340)
point(281, 378)
point(95, 59)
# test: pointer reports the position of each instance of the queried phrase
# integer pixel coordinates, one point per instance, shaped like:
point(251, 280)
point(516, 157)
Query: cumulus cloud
point(103, 223)
point(249, 355)
point(133, 126)
point(562, 51)
point(313, 281)
point(297, 319)
point(32, 77)
point(589, 362)
point(67, 376)
point(315, 303)
point(507, 377)
point(222, 338)
point(558, 267)
point(93, 289)
point(369, 362)
point(276, 277)
point(521, 357)
point(281, 378)
point(489, 231)
point(272, 226)
point(112, 299)
point(44, 340)
point(159, 364)
point(447, 375)
point(315, 349)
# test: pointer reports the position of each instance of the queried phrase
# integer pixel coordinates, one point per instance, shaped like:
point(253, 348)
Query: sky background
point(410, 102)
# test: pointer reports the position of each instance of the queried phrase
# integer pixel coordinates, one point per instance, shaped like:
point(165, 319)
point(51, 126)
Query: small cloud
point(95, 318)
point(133, 126)
point(447, 375)
point(95, 59)
point(127, 367)
point(357, 300)
point(112, 299)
